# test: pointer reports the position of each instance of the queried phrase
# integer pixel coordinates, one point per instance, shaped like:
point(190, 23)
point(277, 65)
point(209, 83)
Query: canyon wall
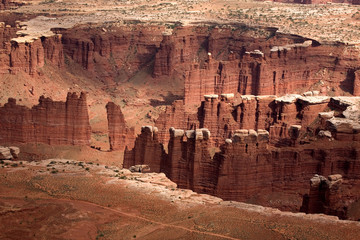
point(313, 135)
point(333, 195)
point(120, 136)
point(6, 4)
point(114, 53)
point(209, 59)
point(147, 150)
point(27, 54)
point(50, 122)
point(222, 115)
point(250, 61)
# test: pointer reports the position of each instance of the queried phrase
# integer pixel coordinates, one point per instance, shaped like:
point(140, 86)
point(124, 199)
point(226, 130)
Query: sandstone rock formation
point(116, 52)
point(302, 140)
point(5, 4)
point(147, 150)
point(50, 122)
point(23, 54)
point(120, 136)
point(209, 59)
point(333, 195)
point(219, 60)
point(223, 115)
point(140, 168)
point(15, 151)
point(188, 163)
point(248, 167)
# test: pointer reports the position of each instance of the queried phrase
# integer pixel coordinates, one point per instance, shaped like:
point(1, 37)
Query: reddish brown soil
point(80, 204)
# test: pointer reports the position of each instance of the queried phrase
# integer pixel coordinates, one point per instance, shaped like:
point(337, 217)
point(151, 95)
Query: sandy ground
point(324, 22)
point(66, 199)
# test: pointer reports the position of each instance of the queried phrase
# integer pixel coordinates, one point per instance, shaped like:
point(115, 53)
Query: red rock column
point(77, 119)
point(356, 90)
point(201, 167)
point(120, 135)
point(246, 112)
point(175, 163)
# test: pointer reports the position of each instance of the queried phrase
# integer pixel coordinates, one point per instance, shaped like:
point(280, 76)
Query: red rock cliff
point(224, 114)
point(26, 55)
point(112, 52)
point(261, 167)
point(248, 168)
point(50, 122)
point(147, 150)
point(230, 60)
point(333, 195)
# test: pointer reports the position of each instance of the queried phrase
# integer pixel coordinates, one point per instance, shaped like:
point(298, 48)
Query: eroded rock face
point(147, 150)
point(256, 164)
point(189, 163)
point(220, 60)
point(210, 59)
point(27, 54)
point(112, 52)
point(5, 153)
point(50, 122)
point(222, 116)
point(7, 4)
point(120, 136)
point(249, 167)
point(332, 195)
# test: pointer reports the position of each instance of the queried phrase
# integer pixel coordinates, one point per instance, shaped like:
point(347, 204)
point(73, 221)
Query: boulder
point(140, 168)
point(15, 151)
point(323, 133)
point(5, 153)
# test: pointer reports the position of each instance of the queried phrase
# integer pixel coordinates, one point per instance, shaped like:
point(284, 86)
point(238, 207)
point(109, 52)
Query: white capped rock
point(190, 134)
point(176, 132)
point(326, 115)
point(211, 96)
point(335, 177)
point(323, 133)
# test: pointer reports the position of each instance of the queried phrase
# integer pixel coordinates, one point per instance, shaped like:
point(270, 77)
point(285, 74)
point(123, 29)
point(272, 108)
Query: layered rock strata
point(219, 60)
point(50, 122)
point(248, 167)
point(308, 135)
point(223, 114)
point(26, 54)
point(209, 58)
point(114, 53)
point(147, 150)
point(333, 195)
point(120, 136)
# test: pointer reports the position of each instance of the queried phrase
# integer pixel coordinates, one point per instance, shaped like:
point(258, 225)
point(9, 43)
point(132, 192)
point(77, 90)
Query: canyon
point(218, 106)
point(239, 77)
